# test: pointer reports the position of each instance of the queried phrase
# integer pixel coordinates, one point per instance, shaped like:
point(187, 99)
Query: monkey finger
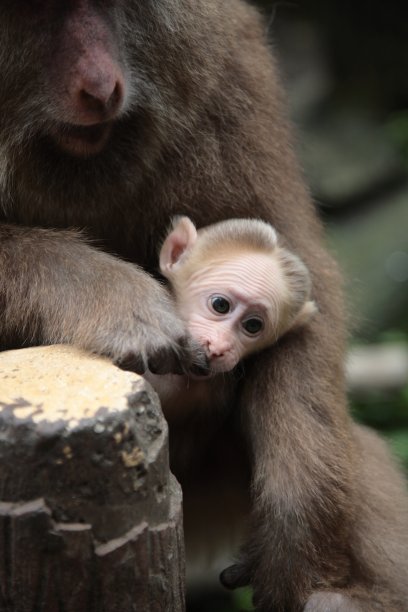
point(194, 359)
point(165, 361)
point(134, 362)
point(235, 576)
point(199, 370)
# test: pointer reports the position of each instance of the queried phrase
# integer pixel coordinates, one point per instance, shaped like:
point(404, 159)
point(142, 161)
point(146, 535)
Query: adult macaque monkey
point(237, 290)
point(113, 117)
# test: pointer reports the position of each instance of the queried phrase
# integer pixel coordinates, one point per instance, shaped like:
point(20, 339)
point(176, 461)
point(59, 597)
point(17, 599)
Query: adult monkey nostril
point(100, 98)
point(98, 101)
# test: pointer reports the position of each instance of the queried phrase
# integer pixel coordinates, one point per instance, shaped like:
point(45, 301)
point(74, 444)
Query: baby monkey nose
point(216, 347)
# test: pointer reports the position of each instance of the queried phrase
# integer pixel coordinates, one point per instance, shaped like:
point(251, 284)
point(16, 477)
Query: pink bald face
point(233, 307)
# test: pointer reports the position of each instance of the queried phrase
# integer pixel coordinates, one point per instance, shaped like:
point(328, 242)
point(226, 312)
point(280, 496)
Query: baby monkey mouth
point(82, 140)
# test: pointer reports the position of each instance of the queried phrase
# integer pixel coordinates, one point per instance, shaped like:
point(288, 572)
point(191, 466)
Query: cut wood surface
point(90, 515)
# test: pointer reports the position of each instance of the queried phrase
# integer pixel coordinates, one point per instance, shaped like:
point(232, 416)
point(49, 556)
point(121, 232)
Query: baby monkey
point(237, 289)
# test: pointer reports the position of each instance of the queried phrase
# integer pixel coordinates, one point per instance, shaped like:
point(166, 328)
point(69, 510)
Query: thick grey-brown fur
point(202, 132)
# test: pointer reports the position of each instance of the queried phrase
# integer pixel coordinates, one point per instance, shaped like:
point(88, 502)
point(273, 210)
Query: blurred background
point(345, 69)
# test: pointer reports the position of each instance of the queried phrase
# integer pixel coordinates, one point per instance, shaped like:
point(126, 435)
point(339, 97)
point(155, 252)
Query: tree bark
point(90, 516)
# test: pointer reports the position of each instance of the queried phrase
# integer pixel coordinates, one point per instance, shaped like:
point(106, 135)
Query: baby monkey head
point(236, 288)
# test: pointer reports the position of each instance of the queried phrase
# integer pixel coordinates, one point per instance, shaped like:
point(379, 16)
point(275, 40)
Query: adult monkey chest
point(113, 118)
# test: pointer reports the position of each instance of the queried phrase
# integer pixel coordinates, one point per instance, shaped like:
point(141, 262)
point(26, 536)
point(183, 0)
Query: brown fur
point(204, 134)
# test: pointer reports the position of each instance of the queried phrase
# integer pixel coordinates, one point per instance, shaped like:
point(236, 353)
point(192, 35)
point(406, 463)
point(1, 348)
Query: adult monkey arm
point(55, 288)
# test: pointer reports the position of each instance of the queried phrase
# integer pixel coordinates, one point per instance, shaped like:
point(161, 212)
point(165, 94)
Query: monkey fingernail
point(132, 362)
point(198, 370)
point(165, 362)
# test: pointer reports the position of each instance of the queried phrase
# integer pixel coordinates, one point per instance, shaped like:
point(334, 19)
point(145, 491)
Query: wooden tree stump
point(90, 516)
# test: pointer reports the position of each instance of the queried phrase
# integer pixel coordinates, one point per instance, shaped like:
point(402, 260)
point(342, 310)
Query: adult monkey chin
point(114, 117)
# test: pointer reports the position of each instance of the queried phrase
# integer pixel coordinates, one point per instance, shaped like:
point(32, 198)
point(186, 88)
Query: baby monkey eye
point(253, 326)
point(220, 304)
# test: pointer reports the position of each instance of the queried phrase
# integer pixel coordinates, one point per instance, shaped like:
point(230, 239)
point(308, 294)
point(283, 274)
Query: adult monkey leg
point(329, 522)
point(329, 507)
point(302, 462)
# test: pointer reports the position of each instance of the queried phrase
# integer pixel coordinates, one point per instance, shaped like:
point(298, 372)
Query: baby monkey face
point(232, 307)
point(236, 288)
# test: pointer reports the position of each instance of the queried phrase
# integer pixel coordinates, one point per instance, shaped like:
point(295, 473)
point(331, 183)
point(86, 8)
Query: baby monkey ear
point(304, 315)
point(178, 242)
